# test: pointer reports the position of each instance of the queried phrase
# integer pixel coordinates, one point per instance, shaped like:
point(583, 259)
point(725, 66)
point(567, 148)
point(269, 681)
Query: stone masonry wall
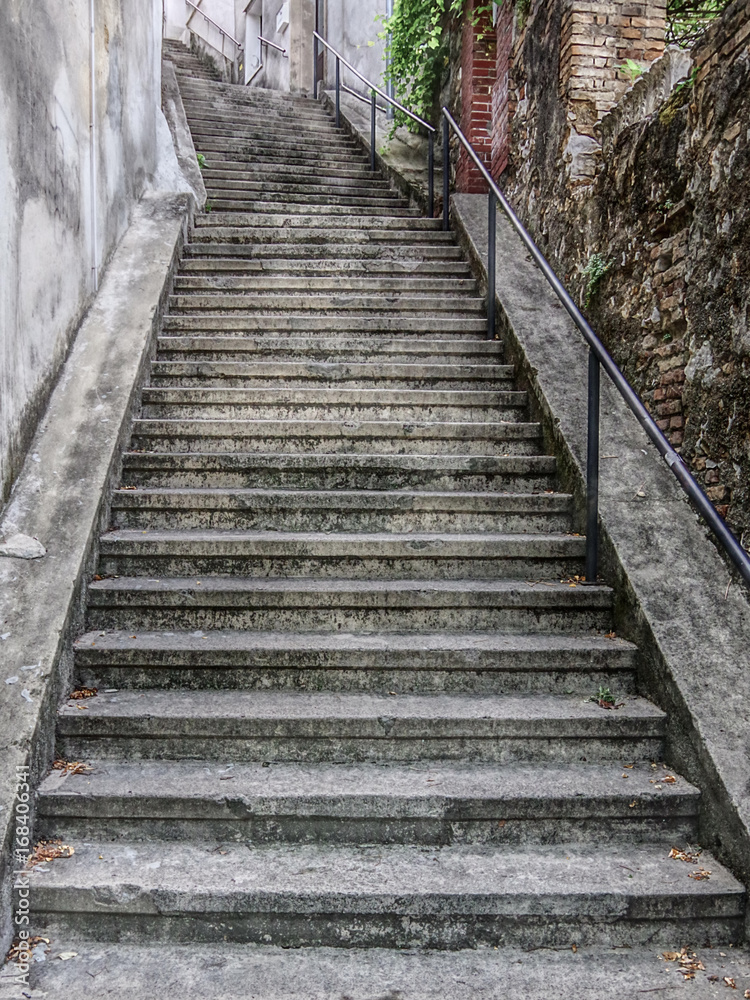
point(666, 214)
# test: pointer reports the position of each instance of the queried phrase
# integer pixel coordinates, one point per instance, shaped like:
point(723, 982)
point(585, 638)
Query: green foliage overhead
point(416, 48)
point(688, 19)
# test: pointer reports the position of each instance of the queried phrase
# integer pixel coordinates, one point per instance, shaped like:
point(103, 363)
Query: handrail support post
point(430, 175)
point(592, 471)
point(315, 67)
point(491, 258)
point(446, 174)
point(338, 92)
point(373, 109)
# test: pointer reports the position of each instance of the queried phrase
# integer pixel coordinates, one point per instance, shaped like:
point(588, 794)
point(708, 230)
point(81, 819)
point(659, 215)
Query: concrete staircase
point(346, 673)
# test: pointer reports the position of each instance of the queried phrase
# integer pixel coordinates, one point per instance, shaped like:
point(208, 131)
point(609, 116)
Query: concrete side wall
point(45, 186)
point(351, 27)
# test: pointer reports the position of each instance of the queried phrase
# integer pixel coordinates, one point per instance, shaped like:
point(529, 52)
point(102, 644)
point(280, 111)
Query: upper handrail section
point(676, 463)
point(371, 86)
point(218, 27)
point(272, 45)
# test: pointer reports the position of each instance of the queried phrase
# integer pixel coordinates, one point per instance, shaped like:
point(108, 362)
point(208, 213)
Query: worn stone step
point(164, 601)
point(280, 124)
point(345, 269)
point(444, 804)
point(322, 510)
point(318, 234)
point(228, 202)
point(243, 99)
point(220, 970)
point(335, 350)
point(396, 896)
point(328, 404)
point(392, 285)
point(291, 436)
point(229, 135)
point(364, 251)
point(380, 662)
point(344, 303)
point(374, 323)
point(352, 170)
point(412, 555)
point(233, 726)
point(351, 375)
point(295, 221)
point(251, 152)
point(517, 473)
point(233, 178)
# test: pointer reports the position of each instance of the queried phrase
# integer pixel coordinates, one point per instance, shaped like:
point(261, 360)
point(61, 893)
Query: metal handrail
point(340, 61)
point(598, 357)
point(365, 100)
point(272, 45)
point(207, 17)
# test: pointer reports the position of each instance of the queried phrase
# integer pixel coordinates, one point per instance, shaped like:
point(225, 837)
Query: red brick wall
point(478, 73)
point(501, 109)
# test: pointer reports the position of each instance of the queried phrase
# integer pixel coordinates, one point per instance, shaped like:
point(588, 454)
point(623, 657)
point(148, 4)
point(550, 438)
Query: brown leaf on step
point(49, 850)
point(690, 856)
point(71, 766)
point(574, 948)
point(610, 635)
point(746, 994)
point(22, 948)
point(669, 779)
point(728, 981)
point(700, 875)
point(670, 956)
point(98, 578)
point(80, 693)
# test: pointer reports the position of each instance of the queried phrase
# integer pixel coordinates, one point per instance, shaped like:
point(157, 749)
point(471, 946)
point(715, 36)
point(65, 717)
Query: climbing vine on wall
point(414, 36)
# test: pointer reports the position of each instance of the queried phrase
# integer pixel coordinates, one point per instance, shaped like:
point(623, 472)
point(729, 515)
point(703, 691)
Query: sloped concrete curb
point(62, 494)
point(675, 598)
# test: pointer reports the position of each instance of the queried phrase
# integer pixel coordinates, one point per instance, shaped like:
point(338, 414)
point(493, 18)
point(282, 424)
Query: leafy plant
point(605, 699)
point(208, 206)
point(632, 69)
point(688, 19)
point(596, 268)
point(416, 50)
point(201, 160)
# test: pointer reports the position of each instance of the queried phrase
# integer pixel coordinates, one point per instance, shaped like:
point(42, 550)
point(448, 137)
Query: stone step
point(375, 323)
point(280, 123)
point(344, 303)
point(477, 663)
point(220, 970)
point(515, 474)
point(332, 350)
point(347, 375)
point(322, 510)
point(441, 805)
point(322, 156)
point(387, 895)
point(392, 285)
point(227, 135)
point(294, 221)
point(253, 168)
point(226, 200)
point(234, 178)
point(329, 404)
point(348, 436)
point(355, 605)
point(234, 726)
point(243, 97)
point(320, 235)
point(364, 251)
point(326, 555)
point(344, 269)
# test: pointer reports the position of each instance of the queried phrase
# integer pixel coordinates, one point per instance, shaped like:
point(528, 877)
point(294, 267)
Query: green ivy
point(415, 44)
point(688, 19)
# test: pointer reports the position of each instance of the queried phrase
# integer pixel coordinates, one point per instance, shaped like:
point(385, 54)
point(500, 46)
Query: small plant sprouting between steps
point(605, 699)
point(201, 160)
point(208, 207)
point(596, 267)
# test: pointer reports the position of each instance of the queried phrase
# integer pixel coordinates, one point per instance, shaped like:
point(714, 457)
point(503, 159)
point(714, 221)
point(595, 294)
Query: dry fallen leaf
point(728, 981)
point(669, 779)
point(700, 875)
point(690, 856)
point(71, 766)
point(80, 693)
point(49, 850)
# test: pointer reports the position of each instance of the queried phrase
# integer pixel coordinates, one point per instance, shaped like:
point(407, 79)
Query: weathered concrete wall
point(46, 220)
point(352, 28)
point(666, 212)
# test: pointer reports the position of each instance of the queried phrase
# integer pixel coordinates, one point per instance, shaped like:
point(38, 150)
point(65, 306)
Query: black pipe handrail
point(598, 357)
point(375, 90)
